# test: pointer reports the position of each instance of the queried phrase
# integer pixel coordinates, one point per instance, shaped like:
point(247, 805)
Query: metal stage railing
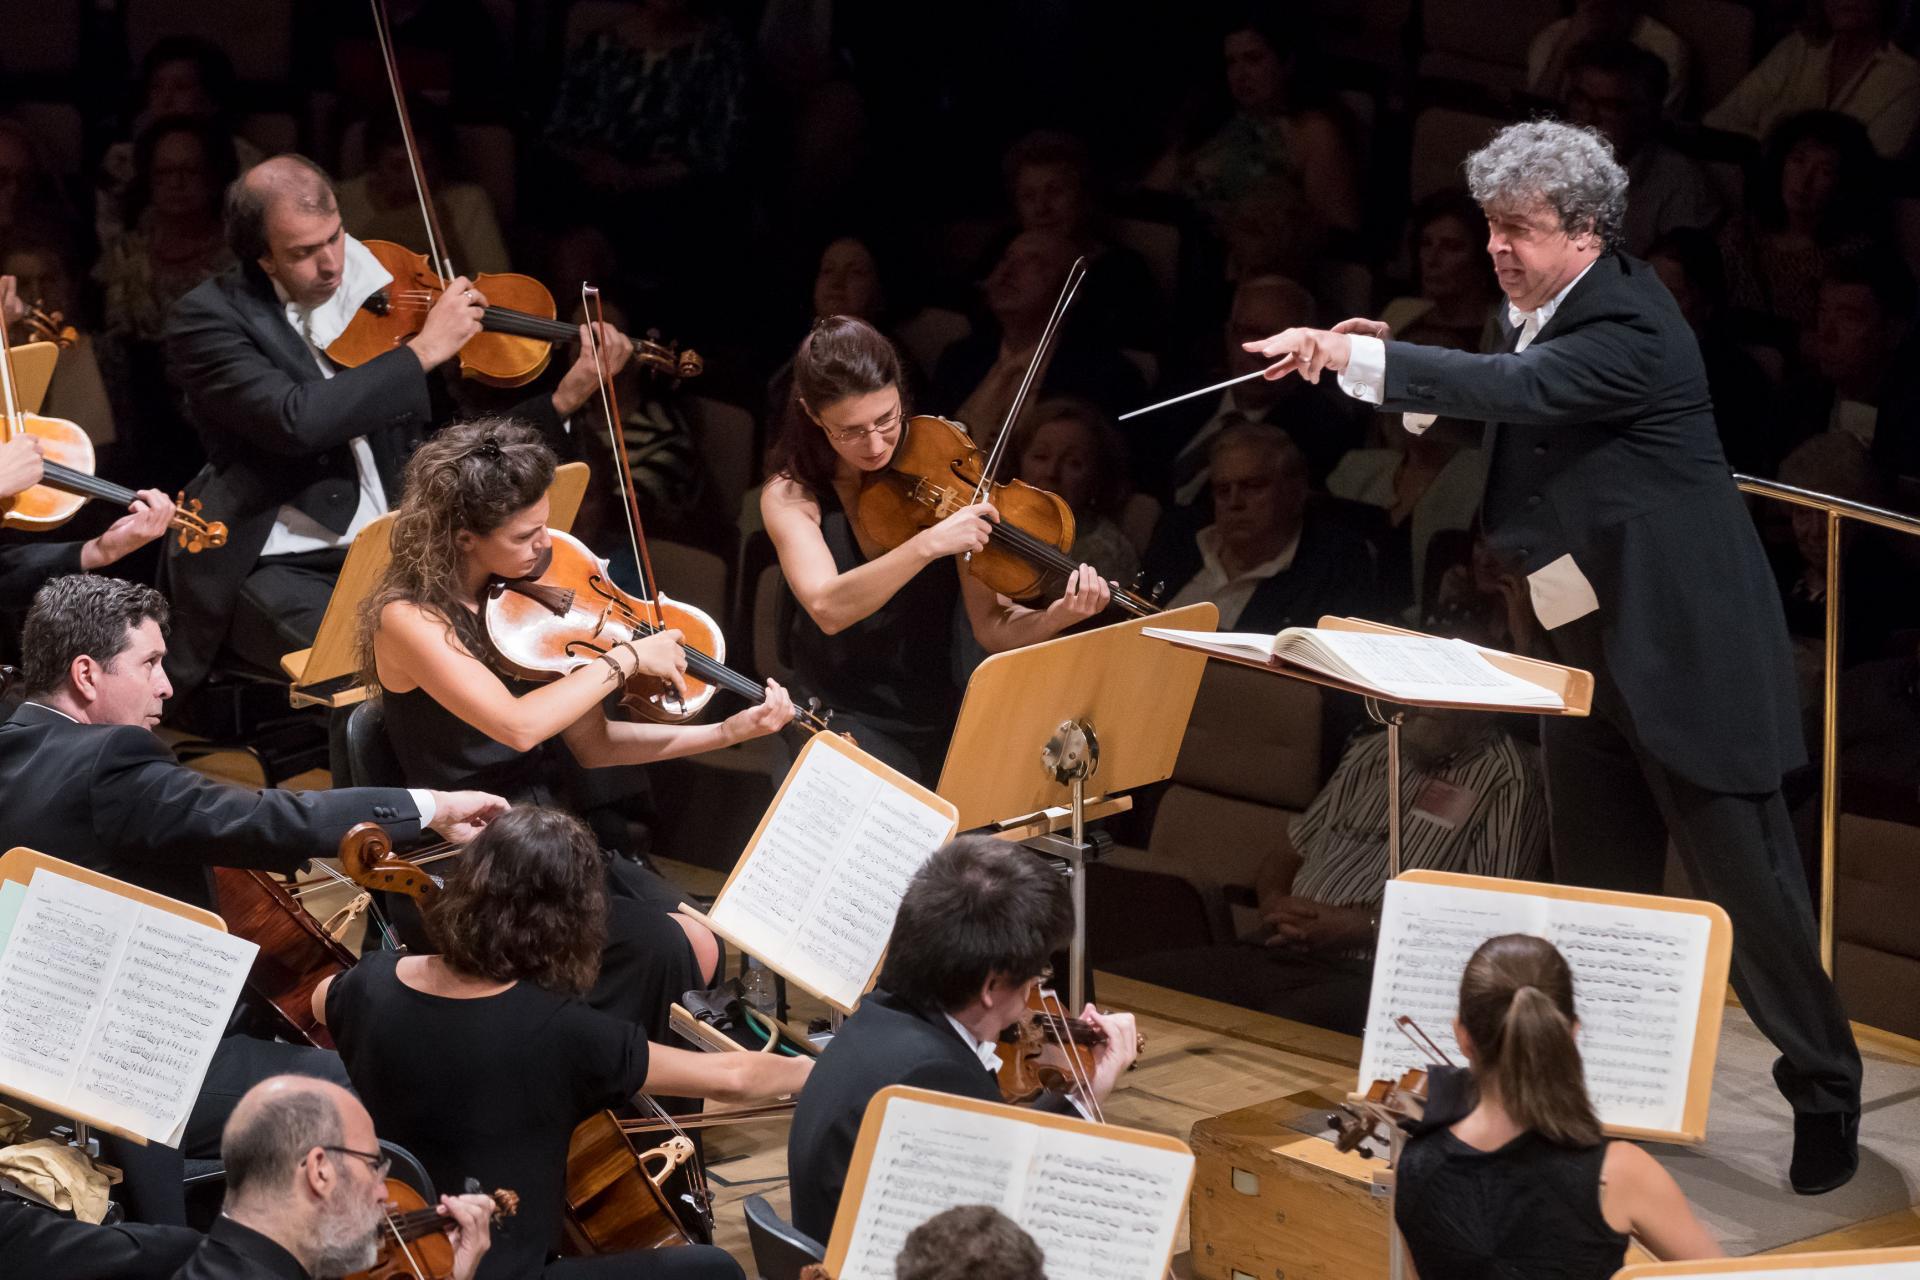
point(1836, 510)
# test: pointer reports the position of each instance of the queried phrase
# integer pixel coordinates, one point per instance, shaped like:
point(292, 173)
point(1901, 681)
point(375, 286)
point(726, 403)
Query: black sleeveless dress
point(889, 676)
point(1529, 1210)
point(647, 963)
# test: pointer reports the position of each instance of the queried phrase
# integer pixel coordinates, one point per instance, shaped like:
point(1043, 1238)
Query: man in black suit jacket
point(302, 452)
point(86, 780)
point(39, 1241)
point(974, 933)
point(1609, 491)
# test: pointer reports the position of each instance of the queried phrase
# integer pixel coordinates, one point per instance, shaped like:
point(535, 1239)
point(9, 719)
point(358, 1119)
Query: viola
point(296, 954)
point(67, 480)
point(413, 1236)
point(1388, 1105)
point(518, 324)
point(1046, 1029)
point(569, 612)
point(616, 1203)
point(936, 470)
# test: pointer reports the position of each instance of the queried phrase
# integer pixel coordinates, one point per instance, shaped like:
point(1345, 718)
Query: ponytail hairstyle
point(1516, 1002)
point(842, 357)
point(474, 476)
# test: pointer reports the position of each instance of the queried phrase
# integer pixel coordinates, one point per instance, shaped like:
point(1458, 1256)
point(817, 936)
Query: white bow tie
point(1520, 318)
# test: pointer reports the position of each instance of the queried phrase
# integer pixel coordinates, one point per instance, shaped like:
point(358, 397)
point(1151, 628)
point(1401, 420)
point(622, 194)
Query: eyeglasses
point(854, 435)
point(378, 1161)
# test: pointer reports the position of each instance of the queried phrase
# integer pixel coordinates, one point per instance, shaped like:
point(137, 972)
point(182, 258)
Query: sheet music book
point(815, 893)
point(112, 1007)
point(1102, 1202)
point(1649, 978)
point(1420, 668)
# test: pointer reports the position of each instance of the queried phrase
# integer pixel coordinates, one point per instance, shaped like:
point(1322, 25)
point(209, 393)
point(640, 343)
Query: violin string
point(1047, 556)
point(412, 1262)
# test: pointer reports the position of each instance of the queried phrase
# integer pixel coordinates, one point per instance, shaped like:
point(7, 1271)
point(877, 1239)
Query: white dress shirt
point(1229, 592)
point(362, 276)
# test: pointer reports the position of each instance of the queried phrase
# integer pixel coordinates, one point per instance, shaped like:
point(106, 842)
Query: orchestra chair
point(779, 1249)
point(369, 759)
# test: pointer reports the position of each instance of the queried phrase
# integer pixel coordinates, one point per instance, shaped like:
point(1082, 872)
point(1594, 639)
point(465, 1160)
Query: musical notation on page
point(815, 893)
point(1637, 975)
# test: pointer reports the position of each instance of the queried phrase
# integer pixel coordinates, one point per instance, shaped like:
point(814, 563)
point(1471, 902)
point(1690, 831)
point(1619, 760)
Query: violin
point(616, 1203)
point(569, 612)
point(366, 855)
point(1024, 1076)
point(413, 1235)
point(49, 326)
point(1388, 1105)
point(518, 325)
point(296, 954)
point(936, 470)
point(67, 479)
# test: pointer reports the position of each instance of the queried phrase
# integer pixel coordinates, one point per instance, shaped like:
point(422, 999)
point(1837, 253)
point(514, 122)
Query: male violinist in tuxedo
point(302, 453)
point(976, 928)
point(1609, 491)
point(85, 779)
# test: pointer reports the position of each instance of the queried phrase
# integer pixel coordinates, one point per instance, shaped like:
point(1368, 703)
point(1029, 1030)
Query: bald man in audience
point(307, 1193)
point(304, 452)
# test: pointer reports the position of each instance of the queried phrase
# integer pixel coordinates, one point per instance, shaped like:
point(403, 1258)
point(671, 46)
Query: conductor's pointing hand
point(1307, 352)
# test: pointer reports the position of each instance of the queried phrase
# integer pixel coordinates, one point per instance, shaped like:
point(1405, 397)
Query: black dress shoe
point(1826, 1150)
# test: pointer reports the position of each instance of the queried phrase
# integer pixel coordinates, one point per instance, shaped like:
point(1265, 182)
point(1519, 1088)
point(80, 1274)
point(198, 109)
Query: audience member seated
point(517, 934)
point(1457, 290)
point(180, 76)
point(1052, 186)
point(1841, 60)
point(978, 375)
point(1875, 601)
point(849, 280)
point(1277, 128)
point(972, 939)
point(1269, 560)
point(306, 1191)
point(1472, 590)
point(173, 240)
point(1507, 1173)
point(1879, 751)
point(1171, 446)
point(1745, 407)
point(1070, 448)
point(969, 1242)
point(1816, 196)
point(1551, 56)
point(1616, 87)
point(383, 203)
point(1426, 482)
point(78, 391)
point(1475, 804)
point(1865, 317)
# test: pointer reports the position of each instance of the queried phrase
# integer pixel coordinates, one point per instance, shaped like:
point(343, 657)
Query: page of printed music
point(643, 638)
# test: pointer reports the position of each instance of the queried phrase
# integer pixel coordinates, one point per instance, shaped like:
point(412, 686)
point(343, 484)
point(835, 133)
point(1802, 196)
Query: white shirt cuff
point(1365, 377)
point(423, 801)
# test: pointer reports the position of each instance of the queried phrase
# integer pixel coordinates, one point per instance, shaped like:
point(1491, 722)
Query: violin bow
point(1042, 352)
point(590, 305)
point(436, 238)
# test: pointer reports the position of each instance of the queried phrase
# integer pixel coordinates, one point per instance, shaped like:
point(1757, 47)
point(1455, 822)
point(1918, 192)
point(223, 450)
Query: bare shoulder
point(783, 495)
point(1630, 1169)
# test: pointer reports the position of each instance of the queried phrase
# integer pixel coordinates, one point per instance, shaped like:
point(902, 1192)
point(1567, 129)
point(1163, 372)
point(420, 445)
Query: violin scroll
point(196, 533)
point(667, 357)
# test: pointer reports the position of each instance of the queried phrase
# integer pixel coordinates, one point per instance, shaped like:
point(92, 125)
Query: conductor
point(1609, 492)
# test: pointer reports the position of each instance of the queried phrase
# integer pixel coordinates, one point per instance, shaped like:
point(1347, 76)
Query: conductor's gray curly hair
point(1570, 167)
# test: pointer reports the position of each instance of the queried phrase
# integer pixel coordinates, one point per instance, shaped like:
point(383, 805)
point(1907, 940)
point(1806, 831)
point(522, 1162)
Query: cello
point(296, 954)
point(937, 469)
point(519, 324)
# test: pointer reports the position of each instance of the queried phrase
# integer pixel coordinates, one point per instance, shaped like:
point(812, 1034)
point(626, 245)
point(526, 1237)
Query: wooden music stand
point(1038, 722)
point(33, 364)
point(1574, 687)
point(327, 673)
point(17, 866)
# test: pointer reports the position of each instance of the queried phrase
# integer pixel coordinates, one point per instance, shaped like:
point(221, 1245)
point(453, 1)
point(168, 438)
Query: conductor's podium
point(1273, 1202)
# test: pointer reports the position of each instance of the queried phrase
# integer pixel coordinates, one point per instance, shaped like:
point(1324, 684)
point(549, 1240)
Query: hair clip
point(489, 447)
